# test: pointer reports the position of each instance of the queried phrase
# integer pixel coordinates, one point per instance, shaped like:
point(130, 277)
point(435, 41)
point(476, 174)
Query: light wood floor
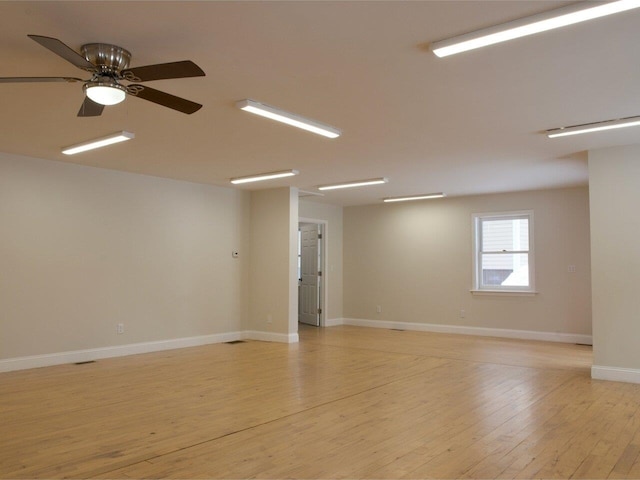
point(345, 402)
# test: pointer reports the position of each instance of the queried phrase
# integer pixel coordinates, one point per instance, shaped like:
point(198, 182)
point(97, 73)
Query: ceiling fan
point(108, 65)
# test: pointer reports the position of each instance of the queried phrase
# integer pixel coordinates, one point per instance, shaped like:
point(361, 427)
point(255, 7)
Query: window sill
point(509, 293)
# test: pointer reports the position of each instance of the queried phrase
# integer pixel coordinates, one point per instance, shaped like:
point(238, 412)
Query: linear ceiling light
point(425, 196)
point(561, 17)
point(289, 118)
point(593, 127)
point(355, 183)
point(98, 142)
point(264, 176)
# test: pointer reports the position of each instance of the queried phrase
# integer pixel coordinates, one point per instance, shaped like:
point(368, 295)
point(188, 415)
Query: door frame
point(324, 278)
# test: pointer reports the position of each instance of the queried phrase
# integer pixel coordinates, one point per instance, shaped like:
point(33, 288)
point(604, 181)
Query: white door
point(309, 291)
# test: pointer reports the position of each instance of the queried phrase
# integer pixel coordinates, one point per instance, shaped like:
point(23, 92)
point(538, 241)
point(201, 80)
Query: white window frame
point(478, 288)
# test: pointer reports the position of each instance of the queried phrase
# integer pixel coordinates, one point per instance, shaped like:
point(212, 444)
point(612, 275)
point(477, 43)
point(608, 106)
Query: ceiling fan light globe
point(105, 94)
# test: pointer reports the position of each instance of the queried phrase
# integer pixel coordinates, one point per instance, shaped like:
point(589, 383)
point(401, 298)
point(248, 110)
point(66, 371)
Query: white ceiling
point(464, 125)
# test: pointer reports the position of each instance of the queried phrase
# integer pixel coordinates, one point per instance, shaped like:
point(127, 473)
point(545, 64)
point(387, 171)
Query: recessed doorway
point(311, 274)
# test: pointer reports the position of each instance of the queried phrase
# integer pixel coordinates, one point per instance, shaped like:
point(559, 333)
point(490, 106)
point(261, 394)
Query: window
point(503, 252)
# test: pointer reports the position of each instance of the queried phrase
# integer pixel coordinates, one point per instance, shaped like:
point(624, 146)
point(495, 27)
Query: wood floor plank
point(346, 402)
point(628, 463)
point(611, 451)
point(544, 441)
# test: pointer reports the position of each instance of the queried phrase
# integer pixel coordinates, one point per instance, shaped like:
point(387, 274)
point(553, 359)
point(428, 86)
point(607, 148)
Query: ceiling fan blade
point(66, 52)
point(163, 71)
point(90, 108)
point(164, 99)
point(39, 79)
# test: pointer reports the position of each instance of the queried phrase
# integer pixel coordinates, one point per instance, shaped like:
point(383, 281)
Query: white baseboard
point(333, 322)
point(270, 336)
point(615, 374)
point(48, 360)
point(466, 330)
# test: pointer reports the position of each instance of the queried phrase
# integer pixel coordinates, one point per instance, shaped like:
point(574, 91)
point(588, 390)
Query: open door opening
point(310, 274)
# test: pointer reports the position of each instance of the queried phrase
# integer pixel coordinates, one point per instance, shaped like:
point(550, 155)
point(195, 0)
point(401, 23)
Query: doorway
point(311, 285)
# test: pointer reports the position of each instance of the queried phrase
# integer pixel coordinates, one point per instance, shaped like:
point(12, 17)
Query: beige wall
point(415, 261)
point(614, 178)
point(83, 249)
point(333, 216)
point(273, 287)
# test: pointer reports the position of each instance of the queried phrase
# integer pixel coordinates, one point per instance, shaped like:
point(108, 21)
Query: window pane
point(509, 269)
point(501, 235)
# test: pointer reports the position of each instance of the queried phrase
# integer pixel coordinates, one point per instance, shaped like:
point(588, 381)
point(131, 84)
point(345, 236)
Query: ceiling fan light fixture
point(98, 143)
point(288, 118)
point(542, 22)
point(105, 93)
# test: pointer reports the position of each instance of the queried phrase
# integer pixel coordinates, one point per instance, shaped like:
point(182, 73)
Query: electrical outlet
point(120, 328)
point(571, 269)
point(269, 318)
point(378, 309)
point(462, 313)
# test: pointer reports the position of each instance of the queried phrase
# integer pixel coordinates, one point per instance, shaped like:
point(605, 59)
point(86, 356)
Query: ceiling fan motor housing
point(108, 59)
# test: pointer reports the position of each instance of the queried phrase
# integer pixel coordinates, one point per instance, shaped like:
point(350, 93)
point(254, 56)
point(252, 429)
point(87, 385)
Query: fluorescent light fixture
point(355, 183)
point(289, 118)
point(425, 196)
point(593, 127)
point(561, 17)
point(98, 142)
point(264, 176)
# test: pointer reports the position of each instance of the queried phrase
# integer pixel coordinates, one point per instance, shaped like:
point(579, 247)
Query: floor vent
point(397, 330)
point(233, 342)
point(84, 363)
